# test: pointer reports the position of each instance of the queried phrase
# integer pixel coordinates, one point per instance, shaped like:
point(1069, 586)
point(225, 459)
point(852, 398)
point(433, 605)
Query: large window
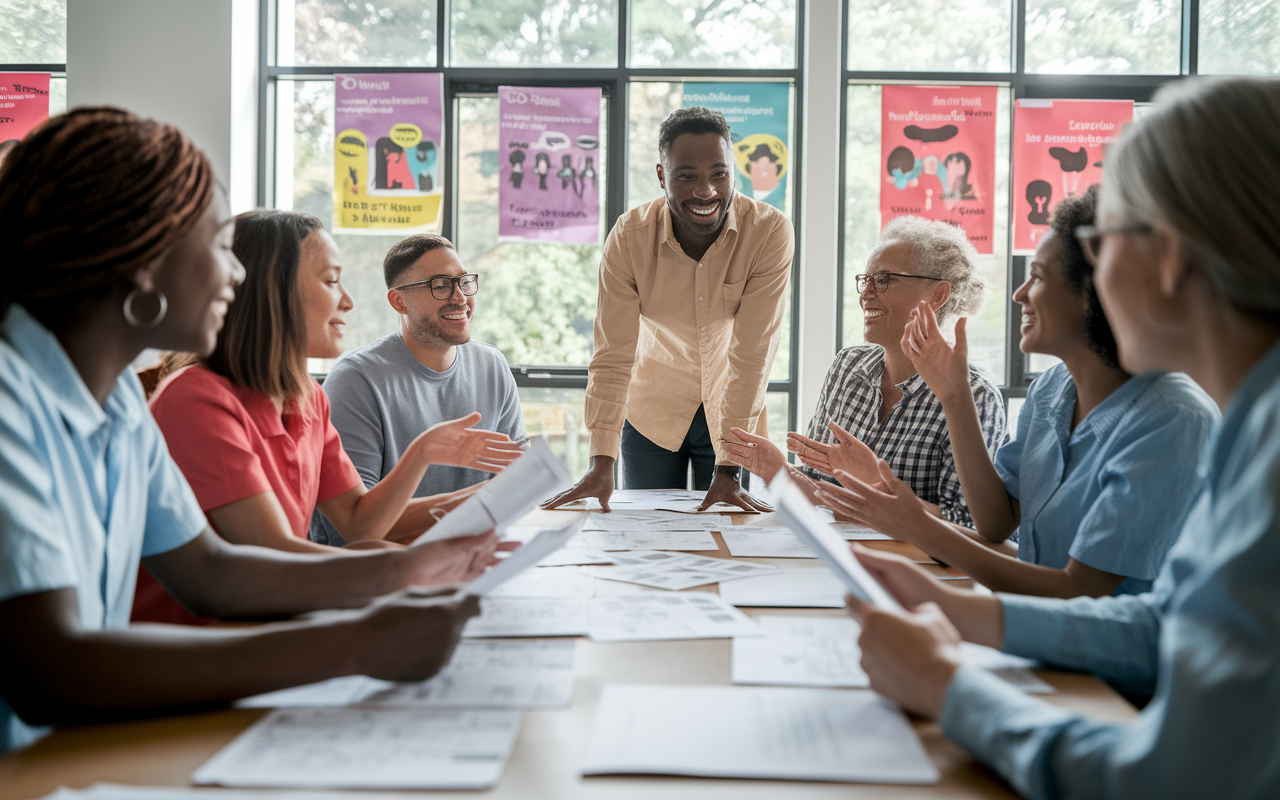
point(33, 38)
point(537, 302)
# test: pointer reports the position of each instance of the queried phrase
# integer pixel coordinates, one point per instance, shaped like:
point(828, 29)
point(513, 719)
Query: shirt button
point(699, 299)
point(702, 327)
point(699, 266)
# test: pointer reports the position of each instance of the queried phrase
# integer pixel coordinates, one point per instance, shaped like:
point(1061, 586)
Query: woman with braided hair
point(118, 239)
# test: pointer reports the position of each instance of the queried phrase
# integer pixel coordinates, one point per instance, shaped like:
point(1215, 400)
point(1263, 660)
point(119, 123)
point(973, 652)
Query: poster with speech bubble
point(387, 151)
point(24, 104)
point(549, 164)
point(759, 117)
point(1057, 152)
point(938, 157)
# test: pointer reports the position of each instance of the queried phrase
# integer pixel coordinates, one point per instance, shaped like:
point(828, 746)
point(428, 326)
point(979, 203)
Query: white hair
point(1205, 163)
point(939, 250)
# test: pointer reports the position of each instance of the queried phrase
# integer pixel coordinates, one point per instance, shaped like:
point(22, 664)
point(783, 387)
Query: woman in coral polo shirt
point(249, 427)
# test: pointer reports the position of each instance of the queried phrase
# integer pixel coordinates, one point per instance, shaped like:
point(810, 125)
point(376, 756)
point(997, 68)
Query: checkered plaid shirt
point(913, 439)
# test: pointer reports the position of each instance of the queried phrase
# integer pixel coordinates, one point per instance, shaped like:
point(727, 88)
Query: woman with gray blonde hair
point(873, 406)
point(1187, 255)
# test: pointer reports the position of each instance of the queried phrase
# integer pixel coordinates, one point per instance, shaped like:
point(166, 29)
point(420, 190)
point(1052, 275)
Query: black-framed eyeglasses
point(880, 280)
point(1090, 237)
point(442, 285)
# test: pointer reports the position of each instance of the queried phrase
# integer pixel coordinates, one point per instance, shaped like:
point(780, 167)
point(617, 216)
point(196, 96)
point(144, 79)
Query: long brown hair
point(90, 197)
point(263, 342)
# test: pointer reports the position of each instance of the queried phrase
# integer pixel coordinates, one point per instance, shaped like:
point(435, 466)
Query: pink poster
point(24, 104)
point(938, 157)
point(549, 164)
point(1057, 152)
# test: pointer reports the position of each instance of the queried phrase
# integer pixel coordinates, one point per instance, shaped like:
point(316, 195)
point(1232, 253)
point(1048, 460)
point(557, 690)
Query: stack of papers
point(790, 588)
point(367, 748)
point(522, 674)
point(654, 616)
point(732, 732)
point(677, 571)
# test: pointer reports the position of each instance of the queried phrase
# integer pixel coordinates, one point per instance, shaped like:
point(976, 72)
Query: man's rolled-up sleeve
point(617, 330)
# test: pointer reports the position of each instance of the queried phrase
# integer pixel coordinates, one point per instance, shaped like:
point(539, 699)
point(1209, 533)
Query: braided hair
point(89, 198)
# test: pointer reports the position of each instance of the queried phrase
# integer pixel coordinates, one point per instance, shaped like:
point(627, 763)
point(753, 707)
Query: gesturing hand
point(910, 658)
point(848, 453)
point(456, 443)
point(758, 455)
point(889, 507)
point(457, 560)
point(942, 366)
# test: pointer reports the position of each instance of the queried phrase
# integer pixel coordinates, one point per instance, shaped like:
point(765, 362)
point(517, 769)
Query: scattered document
point(801, 651)
point(795, 510)
point(856, 533)
point(790, 588)
point(738, 732)
point(684, 501)
point(528, 617)
point(649, 540)
point(746, 541)
point(548, 582)
point(367, 748)
point(666, 615)
point(534, 476)
point(536, 673)
point(1014, 669)
point(541, 546)
point(574, 556)
point(676, 571)
point(650, 521)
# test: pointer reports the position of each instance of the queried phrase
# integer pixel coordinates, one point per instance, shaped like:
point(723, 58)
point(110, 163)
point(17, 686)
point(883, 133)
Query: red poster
point(938, 156)
point(24, 103)
point(1057, 152)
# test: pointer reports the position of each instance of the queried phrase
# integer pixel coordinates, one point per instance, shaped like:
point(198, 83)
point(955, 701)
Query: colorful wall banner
point(758, 115)
point(549, 161)
point(24, 104)
point(387, 152)
point(938, 157)
point(1057, 152)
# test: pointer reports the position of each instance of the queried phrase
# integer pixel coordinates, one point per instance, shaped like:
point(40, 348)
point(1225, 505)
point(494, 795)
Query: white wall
point(192, 63)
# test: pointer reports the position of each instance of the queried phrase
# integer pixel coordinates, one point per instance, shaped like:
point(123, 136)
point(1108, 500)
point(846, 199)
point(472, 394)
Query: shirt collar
point(67, 392)
point(668, 231)
point(1107, 414)
point(871, 369)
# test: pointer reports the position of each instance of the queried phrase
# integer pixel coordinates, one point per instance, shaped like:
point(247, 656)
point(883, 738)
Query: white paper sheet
point(649, 540)
point(801, 651)
point(536, 673)
point(649, 521)
point(795, 510)
point(529, 555)
point(685, 501)
point(677, 571)
point(791, 588)
point(736, 732)
point(528, 617)
point(749, 541)
point(534, 476)
point(856, 533)
point(668, 615)
point(1014, 669)
point(367, 748)
point(568, 556)
point(548, 582)
point(113, 791)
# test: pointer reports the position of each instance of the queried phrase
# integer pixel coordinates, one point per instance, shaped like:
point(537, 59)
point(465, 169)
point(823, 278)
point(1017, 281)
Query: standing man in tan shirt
point(692, 291)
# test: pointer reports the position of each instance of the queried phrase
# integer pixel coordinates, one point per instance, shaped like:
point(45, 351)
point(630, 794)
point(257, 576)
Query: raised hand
point(754, 453)
point(943, 367)
point(847, 453)
point(456, 443)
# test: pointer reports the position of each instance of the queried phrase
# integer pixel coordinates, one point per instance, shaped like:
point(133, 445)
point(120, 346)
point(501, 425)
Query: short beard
point(429, 331)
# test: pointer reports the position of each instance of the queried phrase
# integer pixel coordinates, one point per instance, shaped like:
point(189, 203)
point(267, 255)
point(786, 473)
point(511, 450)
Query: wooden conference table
point(164, 752)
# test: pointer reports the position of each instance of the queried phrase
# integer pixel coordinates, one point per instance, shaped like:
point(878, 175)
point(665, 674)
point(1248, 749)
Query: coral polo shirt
point(232, 443)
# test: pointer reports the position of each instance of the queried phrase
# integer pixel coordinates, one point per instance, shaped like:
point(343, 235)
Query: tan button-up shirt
point(672, 333)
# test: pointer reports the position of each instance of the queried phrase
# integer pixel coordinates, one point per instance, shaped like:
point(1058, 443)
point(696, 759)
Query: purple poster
point(387, 152)
point(549, 157)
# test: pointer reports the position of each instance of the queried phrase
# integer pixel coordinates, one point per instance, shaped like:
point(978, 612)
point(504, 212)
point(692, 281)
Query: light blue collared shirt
point(88, 489)
point(1207, 638)
point(1113, 493)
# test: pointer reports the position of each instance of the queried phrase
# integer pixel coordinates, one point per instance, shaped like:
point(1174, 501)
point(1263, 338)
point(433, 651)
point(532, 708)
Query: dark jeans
point(645, 465)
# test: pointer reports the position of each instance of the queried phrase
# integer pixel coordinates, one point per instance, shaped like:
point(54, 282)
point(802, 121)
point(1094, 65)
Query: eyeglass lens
point(442, 288)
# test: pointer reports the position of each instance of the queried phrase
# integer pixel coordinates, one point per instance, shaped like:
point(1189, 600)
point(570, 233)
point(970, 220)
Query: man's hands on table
point(597, 483)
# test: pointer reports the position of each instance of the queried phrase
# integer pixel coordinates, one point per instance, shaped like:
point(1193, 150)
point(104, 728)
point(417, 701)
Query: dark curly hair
point(694, 119)
point(1069, 214)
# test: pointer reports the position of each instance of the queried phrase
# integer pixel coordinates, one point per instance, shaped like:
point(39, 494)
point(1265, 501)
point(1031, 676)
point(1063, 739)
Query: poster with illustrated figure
point(24, 104)
point(938, 157)
point(387, 152)
point(1057, 152)
point(758, 115)
point(549, 164)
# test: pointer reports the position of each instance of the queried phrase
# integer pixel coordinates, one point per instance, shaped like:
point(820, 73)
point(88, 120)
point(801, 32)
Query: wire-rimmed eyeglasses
point(442, 285)
point(880, 280)
point(1090, 237)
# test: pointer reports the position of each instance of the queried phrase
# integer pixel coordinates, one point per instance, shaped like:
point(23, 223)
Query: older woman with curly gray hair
point(873, 406)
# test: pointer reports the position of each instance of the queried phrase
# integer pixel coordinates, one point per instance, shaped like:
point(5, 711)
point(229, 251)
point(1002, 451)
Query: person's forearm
point(989, 502)
point(978, 617)
point(379, 509)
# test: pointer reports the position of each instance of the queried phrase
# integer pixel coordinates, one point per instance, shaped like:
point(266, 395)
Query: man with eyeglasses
point(386, 393)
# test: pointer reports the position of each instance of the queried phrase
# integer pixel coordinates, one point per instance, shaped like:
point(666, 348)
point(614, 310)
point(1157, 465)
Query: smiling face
point(432, 322)
point(1053, 316)
point(198, 277)
point(697, 176)
point(325, 301)
point(885, 314)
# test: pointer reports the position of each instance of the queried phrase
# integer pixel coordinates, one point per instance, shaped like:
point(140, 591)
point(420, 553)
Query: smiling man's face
point(697, 176)
point(437, 322)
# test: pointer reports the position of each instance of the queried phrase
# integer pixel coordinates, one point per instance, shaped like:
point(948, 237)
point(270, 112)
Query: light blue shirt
point(1207, 638)
point(1113, 493)
point(88, 489)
